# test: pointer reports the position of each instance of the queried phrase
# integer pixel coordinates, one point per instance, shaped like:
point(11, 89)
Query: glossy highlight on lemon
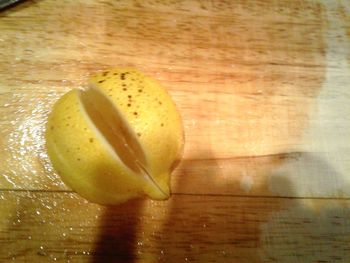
point(117, 139)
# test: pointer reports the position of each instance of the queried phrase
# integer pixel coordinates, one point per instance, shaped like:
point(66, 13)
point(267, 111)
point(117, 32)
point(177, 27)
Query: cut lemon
point(117, 139)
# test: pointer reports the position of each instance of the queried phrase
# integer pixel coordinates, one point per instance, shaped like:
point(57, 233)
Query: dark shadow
point(248, 229)
point(15, 7)
point(308, 229)
point(307, 233)
point(212, 227)
point(117, 239)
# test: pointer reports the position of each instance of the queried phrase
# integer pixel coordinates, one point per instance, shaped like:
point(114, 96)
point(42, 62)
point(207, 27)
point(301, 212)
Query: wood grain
point(262, 87)
point(185, 228)
point(246, 85)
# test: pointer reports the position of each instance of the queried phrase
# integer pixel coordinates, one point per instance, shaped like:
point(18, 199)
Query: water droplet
point(64, 234)
point(139, 243)
point(29, 237)
point(37, 212)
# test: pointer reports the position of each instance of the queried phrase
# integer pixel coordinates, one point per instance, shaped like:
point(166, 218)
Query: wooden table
point(264, 91)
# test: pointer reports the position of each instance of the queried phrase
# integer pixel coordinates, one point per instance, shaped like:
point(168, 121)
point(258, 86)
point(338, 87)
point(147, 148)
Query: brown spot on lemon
point(107, 132)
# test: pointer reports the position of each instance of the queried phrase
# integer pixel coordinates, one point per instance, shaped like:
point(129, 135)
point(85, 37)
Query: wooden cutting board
point(263, 90)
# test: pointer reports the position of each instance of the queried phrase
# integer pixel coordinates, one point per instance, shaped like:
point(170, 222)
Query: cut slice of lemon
point(117, 139)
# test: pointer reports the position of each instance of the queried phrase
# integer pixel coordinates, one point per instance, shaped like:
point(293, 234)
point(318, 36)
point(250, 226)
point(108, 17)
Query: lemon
point(117, 139)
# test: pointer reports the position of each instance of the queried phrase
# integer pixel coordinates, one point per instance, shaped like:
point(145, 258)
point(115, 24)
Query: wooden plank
point(43, 226)
point(262, 89)
point(254, 81)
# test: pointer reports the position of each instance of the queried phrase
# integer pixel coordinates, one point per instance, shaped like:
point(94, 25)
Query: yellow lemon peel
point(117, 139)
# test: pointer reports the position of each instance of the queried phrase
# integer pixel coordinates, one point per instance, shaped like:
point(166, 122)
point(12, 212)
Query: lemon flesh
point(116, 140)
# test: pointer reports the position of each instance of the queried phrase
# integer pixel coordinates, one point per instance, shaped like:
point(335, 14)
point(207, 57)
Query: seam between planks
point(190, 194)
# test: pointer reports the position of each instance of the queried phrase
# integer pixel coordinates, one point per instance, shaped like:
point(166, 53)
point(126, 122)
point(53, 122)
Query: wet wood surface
point(263, 90)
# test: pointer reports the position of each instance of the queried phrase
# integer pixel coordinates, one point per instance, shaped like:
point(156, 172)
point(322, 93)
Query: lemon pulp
point(117, 139)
